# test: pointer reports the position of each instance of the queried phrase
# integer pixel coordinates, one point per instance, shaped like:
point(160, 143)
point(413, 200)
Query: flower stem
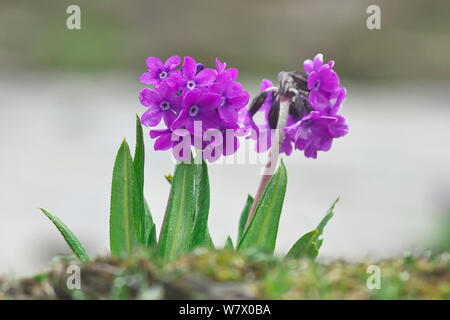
point(274, 154)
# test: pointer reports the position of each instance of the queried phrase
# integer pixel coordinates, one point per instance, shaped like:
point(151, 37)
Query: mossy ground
point(231, 275)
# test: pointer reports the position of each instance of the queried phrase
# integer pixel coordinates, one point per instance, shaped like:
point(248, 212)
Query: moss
point(230, 275)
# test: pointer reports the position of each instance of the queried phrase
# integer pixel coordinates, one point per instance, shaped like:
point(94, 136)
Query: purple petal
point(312, 79)
point(209, 100)
point(339, 129)
point(205, 77)
point(172, 62)
point(164, 142)
point(191, 98)
point(155, 133)
point(154, 64)
point(151, 117)
point(149, 98)
point(220, 66)
point(286, 147)
point(189, 68)
point(169, 117)
point(329, 80)
point(237, 86)
point(318, 61)
point(222, 84)
point(318, 101)
point(340, 98)
point(210, 119)
point(228, 115)
point(308, 66)
point(265, 84)
point(324, 143)
point(176, 104)
point(234, 73)
point(148, 78)
point(165, 88)
point(301, 144)
point(176, 82)
point(311, 152)
point(180, 121)
point(238, 99)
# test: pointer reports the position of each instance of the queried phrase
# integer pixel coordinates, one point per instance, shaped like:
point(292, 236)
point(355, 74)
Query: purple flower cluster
point(198, 105)
point(313, 120)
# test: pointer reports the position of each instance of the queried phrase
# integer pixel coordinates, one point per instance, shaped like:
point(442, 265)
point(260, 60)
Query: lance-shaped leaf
point(304, 247)
point(207, 242)
point(262, 231)
point(121, 223)
point(139, 210)
point(150, 228)
point(151, 237)
point(228, 243)
point(244, 216)
point(68, 235)
point(309, 244)
point(323, 223)
point(201, 203)
point(176, 231)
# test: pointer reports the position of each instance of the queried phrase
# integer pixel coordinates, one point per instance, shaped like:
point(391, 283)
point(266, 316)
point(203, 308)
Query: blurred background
point(68, 97)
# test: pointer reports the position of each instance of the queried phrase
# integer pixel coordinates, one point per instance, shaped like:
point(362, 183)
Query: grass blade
point(263, 228)
point(68, 235)
point(122, 232)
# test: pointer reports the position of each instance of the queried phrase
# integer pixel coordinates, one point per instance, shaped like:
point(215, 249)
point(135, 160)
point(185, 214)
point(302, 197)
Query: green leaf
point(151, 238)
point(150, 228)
point(310, 243)
point(323, 223)
point(121, 223)
point(263, 228)
point(68, 235)
point(318, 243)
point(304, 247)
point(228, 243)
point(179, 221)
point(139, 212)
point(201, 203)
point(207, 242)
point(244, 216)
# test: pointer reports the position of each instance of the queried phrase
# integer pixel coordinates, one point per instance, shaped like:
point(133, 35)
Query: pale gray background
point(68, 98)
point(58, 148)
